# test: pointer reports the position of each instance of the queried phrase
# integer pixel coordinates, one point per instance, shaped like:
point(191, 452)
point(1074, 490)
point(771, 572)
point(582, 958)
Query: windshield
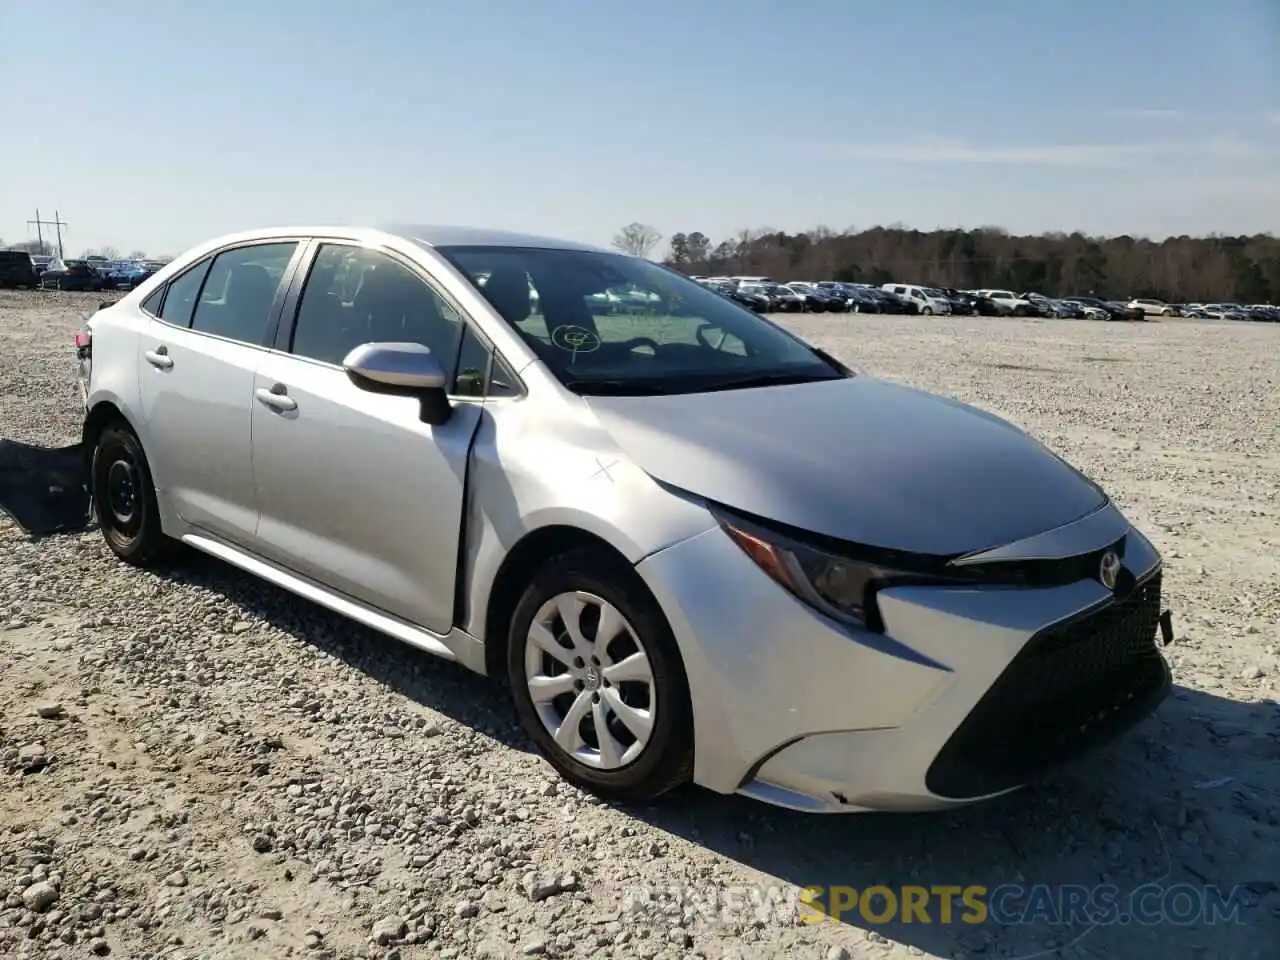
point(605, 322)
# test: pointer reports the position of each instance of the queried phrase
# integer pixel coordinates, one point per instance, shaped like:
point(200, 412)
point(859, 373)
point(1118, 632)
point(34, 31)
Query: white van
point(928, 300)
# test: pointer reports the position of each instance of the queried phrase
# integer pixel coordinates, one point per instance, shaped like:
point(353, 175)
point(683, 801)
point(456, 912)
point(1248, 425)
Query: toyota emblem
point(1109, 569)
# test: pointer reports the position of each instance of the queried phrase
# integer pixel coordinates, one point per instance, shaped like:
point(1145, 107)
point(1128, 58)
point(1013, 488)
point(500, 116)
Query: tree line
point(48, 248)
point(1183, 269)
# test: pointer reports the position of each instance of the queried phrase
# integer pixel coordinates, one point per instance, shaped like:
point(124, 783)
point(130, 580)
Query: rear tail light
point(84, 344)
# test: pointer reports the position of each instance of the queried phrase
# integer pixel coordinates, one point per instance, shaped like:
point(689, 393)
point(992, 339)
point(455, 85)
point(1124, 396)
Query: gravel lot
point(226, 771)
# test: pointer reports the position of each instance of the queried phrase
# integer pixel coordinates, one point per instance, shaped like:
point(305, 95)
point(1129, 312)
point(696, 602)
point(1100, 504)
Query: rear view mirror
point(403, 370)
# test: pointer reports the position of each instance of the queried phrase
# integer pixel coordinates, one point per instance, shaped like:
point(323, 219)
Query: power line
point(57, 223)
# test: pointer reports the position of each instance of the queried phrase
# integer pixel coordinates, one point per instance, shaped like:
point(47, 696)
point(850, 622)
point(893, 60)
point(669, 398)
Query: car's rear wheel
point(598, 682)
point(124, 499)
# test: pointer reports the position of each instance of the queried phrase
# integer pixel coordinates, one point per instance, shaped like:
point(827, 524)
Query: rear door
point(196, 382)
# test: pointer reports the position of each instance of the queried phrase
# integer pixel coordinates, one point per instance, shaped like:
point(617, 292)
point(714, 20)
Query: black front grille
point(1074, 686)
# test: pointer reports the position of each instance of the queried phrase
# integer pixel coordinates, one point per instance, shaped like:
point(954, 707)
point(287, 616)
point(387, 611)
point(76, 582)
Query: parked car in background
point(117, 274)
point(756, 302)
point(1053, 307)
point(41, 262)
point(928, 300)
point(743, 294)
point(971, 303)
point(1259, 312)
point(1063, 309)
point(870, 300)
point(895, 303)
point(1009, 303)
point(1151, 308)
point(782, 299)
point(17, 270)
point(857, 299)
point(1114, 309)
point(702, 551)
point(771, 295)
point(816, 299)
point(77, 275)
point(1126, 310)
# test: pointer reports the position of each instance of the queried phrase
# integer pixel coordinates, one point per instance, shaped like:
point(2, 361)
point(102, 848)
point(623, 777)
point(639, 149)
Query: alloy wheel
point(590, 680)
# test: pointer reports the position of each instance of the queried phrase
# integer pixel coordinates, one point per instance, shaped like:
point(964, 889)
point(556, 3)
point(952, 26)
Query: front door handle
point(159, 357)
point(277, 398)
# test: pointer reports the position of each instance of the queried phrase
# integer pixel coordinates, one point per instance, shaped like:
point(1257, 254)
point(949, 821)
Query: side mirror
point(402, 370)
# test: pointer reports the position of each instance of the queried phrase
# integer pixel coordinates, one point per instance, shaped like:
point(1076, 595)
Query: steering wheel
point(629, 345)
point(700, 335)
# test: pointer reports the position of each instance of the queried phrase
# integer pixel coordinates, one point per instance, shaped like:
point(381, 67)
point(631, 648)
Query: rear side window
point(151, 305)
point(181, 301)
point(241, 288)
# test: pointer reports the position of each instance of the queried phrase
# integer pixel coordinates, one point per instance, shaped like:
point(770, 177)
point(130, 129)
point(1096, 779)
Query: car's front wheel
point(124, 498)
point(598, 682)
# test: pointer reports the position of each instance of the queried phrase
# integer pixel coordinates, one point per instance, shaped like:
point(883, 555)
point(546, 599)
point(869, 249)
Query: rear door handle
point(276, 398)
point(159, 357)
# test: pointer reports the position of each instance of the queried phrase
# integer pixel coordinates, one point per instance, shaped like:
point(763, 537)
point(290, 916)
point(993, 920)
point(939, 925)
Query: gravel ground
point(194, 764)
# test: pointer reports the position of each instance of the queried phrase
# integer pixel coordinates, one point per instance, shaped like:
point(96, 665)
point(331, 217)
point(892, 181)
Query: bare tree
point(637, 239)
point(35, 247)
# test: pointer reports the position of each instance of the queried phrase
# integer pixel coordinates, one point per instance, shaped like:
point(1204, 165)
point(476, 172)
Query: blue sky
point(159, 124)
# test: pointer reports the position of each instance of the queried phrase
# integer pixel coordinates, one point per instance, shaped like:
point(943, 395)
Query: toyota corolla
point(698, 548)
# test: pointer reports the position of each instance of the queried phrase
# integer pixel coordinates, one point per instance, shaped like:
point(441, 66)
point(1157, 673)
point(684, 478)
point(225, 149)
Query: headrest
point(250, 284)
point(508, 290)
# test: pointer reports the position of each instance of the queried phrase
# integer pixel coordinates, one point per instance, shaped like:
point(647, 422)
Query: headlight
point(839, 587)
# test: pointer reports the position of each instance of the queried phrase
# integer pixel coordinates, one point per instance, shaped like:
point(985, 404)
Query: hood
point(857, 459)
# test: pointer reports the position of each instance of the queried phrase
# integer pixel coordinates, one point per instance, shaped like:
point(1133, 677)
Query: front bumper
point(969, 693)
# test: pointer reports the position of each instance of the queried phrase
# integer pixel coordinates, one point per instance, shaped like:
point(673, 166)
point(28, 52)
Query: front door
point(196, 383)
point(353, 490)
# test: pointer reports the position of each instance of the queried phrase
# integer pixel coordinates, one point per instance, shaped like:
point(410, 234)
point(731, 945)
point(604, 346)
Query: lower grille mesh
point(1072, 687)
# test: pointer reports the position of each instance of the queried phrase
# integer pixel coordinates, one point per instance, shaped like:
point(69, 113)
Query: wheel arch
point(514, 573)
point(103, 412)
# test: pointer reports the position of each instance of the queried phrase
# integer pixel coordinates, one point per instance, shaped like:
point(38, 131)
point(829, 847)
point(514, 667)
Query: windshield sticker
point(575, 339)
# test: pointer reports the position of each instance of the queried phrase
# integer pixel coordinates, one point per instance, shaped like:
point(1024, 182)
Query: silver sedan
point(697, 547)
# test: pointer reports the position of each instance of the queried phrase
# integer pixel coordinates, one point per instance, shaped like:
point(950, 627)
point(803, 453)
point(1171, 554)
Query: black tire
point(666, 763)
point(124, 499)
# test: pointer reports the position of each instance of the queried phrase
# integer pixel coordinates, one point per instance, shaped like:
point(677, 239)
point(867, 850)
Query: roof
point(440, 235)
point(423, 235)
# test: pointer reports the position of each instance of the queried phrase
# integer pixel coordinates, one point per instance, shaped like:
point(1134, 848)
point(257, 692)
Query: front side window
point(481, 371)
point(472, 374)
point(241, 288)
point(607, 323)
point(354, 295)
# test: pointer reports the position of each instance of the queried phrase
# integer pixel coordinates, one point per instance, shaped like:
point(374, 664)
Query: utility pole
point(57, 223)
